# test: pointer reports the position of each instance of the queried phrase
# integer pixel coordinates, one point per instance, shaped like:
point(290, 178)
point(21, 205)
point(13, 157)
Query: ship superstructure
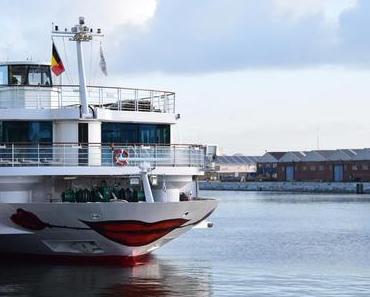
point(90, 171)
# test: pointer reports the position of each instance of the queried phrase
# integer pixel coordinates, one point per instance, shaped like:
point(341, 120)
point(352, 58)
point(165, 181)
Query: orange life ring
point(120, 157)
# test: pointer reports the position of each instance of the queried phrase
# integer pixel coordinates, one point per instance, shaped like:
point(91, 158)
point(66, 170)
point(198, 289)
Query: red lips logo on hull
point(135, 233)
point(129, 233)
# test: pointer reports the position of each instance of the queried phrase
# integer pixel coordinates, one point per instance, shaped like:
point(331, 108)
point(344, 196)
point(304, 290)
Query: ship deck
point(98, 159)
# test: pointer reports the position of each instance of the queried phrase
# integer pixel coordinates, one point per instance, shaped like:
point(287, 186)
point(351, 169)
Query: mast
point(80, 33)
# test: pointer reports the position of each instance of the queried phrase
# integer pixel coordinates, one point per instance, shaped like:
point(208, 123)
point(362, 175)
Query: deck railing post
point(189, 149)
point(136, 100)
point(38, 99)
point(13, 160)
point(100, 97)
point(174, 103)
point(155, 155)
point(174, 156)
point(60, 98)
point(38, 155)
point(118, 99)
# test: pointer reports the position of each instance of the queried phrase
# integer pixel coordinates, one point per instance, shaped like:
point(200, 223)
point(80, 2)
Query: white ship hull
point(112, 232)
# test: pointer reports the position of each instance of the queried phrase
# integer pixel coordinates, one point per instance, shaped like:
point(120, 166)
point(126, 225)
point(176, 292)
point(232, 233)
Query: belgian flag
point(56, 62)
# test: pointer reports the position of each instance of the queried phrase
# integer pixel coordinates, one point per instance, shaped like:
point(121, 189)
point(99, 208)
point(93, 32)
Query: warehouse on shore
point(341, 165)
point(238, 168)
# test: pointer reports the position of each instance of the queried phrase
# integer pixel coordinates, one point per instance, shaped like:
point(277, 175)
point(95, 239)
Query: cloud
point(26, 25)
point(208, 35)
point(199, 36)
point(213, 36)
point(331, 10)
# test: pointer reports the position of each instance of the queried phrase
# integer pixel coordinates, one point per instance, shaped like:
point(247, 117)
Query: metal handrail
point(67, 96)
point(99, 155)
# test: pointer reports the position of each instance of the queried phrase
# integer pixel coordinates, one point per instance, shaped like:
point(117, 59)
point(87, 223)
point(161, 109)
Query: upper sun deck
point(29, 85)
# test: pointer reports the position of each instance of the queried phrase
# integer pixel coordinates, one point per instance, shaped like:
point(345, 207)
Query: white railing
point(100, 155)
point(67, 96)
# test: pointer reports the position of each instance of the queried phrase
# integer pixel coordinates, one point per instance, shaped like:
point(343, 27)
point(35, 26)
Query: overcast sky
point(250, 75)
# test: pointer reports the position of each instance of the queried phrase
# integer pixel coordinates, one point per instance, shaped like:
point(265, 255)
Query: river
point(262, 244)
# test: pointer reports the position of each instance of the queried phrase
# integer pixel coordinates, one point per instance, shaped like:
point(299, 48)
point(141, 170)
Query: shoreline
point(305, 187)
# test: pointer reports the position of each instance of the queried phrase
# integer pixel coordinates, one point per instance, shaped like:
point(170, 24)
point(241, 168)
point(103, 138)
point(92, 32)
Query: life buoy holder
point(120, 157)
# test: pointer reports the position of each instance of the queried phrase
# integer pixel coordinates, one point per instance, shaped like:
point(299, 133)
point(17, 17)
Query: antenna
point(318, 138)
point(79, 33)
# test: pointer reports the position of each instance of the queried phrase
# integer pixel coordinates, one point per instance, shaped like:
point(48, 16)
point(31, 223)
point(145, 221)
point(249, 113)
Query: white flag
point(102, 63)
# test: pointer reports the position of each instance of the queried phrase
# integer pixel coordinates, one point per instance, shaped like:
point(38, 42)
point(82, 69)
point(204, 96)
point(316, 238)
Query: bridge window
point(17, 75)
point(29, 75)
point(3, 75)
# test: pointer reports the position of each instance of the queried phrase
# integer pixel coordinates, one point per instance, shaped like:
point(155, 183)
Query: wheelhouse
point(25, 74)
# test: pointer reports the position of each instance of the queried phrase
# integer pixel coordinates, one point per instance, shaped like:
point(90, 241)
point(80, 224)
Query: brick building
point(323, 165)
point(267, 165)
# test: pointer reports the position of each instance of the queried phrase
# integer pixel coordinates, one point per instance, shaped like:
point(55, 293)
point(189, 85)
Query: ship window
point(46, 78)
point(33, 75)
point(3, 75)
point(17, 75)
point(26, 131)
point(135, 133)
point(39, 75)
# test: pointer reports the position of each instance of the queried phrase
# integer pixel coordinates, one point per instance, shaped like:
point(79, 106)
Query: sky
point(249, 75)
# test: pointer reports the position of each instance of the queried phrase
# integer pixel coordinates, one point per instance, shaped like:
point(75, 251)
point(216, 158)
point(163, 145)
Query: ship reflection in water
point(152, 279)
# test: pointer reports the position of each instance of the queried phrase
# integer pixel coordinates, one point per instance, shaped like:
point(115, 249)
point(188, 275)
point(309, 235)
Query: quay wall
point(310, 187)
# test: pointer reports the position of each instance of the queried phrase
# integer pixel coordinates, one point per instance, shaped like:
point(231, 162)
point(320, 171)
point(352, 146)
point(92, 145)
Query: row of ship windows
point(42, 132)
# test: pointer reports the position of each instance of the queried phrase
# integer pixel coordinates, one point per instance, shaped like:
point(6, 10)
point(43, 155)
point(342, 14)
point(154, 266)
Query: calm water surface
point(262, 244)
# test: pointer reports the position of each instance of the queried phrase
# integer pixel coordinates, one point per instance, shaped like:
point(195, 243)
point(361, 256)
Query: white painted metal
point(82, 79)
point(64, 132)
point(145, 168)
point(45, 241)
point(70, 153)
point(16, 171)
point(108, 115)
point(15, 196)
point(94, 151)
point(146, 185)
point(25, 62)
point(107, 98)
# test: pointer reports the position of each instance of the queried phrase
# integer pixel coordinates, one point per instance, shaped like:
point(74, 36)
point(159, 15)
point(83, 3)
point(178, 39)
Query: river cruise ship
point(89, 173)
